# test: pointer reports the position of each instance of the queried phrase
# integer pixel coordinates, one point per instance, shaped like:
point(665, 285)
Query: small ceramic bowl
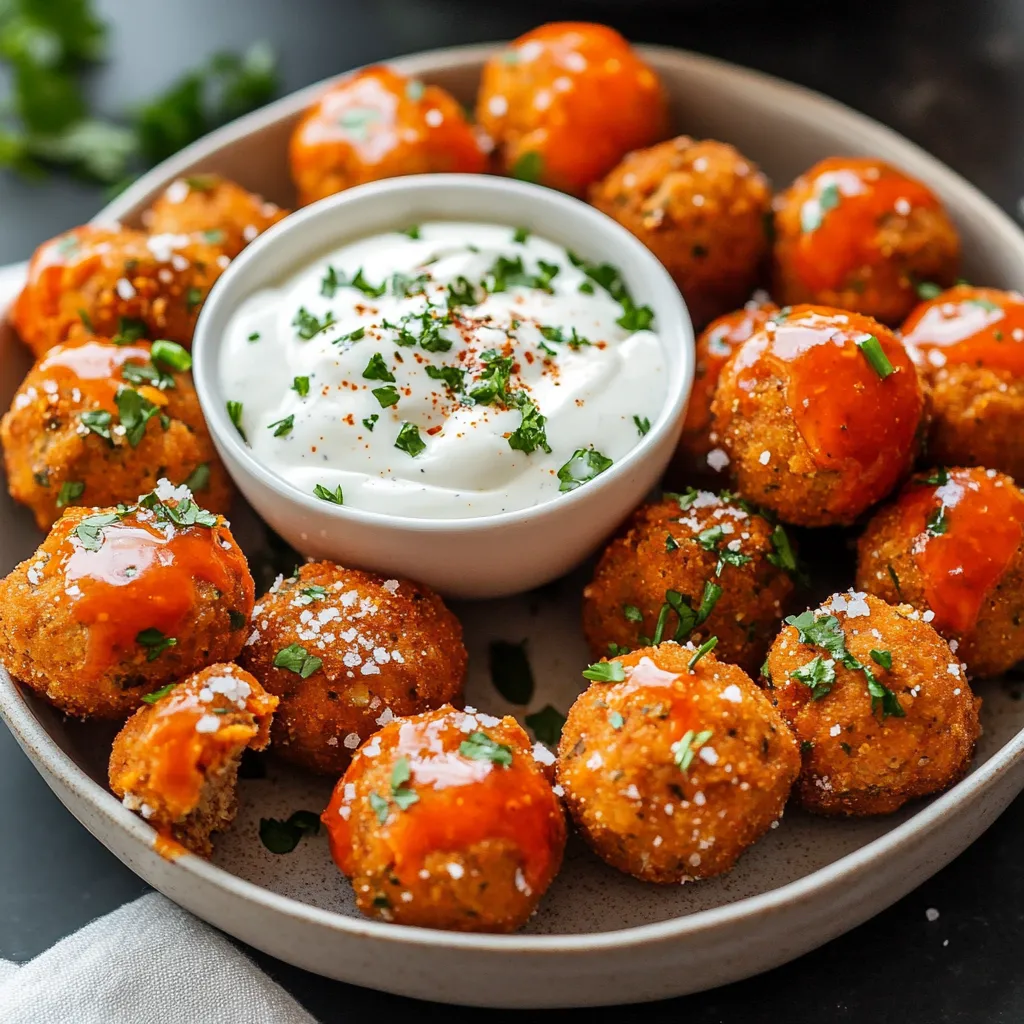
point(488, 556)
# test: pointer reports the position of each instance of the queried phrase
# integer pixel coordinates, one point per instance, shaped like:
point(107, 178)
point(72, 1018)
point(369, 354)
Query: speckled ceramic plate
point(599, 937)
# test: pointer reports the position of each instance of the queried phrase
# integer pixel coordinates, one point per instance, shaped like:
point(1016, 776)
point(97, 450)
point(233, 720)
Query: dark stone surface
point(950, 75)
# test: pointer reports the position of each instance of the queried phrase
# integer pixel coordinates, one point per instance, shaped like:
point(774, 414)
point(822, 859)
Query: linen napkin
point(150, 962)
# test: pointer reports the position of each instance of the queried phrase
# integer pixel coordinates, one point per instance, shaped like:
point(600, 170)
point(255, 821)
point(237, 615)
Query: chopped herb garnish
point(373, 291)
point(546, 724)
point(511, 674)
point(314, 593)
point(937, 522)
point(585, 464)
point(413, 232)
point(928, 290)
point(409, 440)
point(689, 619)
point(357, 120)
point(90, 530)
point(300, 385)
point(938, 477)
point(635, 318)
point(129, 330)
point(86, 321)
point(198, 479)
point(812, 213)
point(615, 720)
point(235, 415)
point(155, 642)
point(530, 434)
point(255, 336)
point(671, 544)
point(193, 298)
point(684, 750)
point(631, 613)
point(401, 794)
point(819, 674)
point(134, 412)
point(403, 285)
point(528, 166)
point(461, 293)
point(294, 658)
point(642, 425)
point(706, 647)
point(453, 376)
point(605, 672)
point(492, 385)
point(478, 746)
point(387, 395)
point(308, 326)
point(782, 555)
point(882, 698)
point(871, 349)
point(370, 421)
point(711, 539)
point(377, 369)
point(357, 335)
point(985, 304)
point(520, 236)
point(238, 620)
point(282, 837)
point(883, 658)
point(335, 497)
point(895, 581)
point(282, 428)
point(159, 694)
point(171, 354)
point(330, 283)
point(380, 807)
point(586, 287)
point(98, 421)
point(558, 335)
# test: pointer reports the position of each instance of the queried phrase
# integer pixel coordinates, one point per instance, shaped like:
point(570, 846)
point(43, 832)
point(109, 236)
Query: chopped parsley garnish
point(380, 807)
point(198, 479)
point(357, 335)
point(401, 794)
point(429, 337)
point(492, 385)
point(643, 425)
point(928, 290)
point(529, 166)
point(985, 304)
point(86, 321)
point(184, 513)
point(711, 540)
point(370, 422)
point(171, 354)
point(134, 412)
point(282, 428)
point(330, 283)
point(705, 648)
point(882, 698)
point(387, 395)
point(90, 530)
point(129, 330)
point(193, 298)
point(294, 658)
point(238, 620)
point(478, 746)
point(403, 286)
point(819, 674)
point(300, 385)
point(586, 287)
point(409, 440)
point(357, 120)
point(938, 477)
point(546, 724)
point(282, 837)
point(671, 544)
point(688, 619)
point(235, 415)
point(631, 613)
point(461, 293)
point(605, 672)
point(308, 326)
point(511, 674)
point(98, 421)
point(158, 694)
point(883, 658)
point(335, 497)
point(615, 720)
point(585, 464)
point(147, 373)
point(684, 750)
point(556, 334)
point(530, 434)
point(937, 522)
point(155, 642)
point(520, 236)
point(413, 232)
point(871, 349)
point(634, 317)
point(373, 291)
point(812, 213)
point(453, 376)
point(377, 369)
point(895, 581)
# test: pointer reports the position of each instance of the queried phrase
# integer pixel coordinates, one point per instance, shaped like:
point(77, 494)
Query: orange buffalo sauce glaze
point(143, 576)
point(865, 192)
point(168, 847)
point(93, 366)
point(852, 419)
point(983, 519)
point(965, 325)
point(654, 685)
point(471, 802)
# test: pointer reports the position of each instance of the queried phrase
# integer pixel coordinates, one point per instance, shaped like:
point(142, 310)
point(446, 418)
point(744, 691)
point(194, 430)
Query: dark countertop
point(950, 75)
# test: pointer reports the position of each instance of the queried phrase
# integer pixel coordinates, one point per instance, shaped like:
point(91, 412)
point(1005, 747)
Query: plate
point(600, 937)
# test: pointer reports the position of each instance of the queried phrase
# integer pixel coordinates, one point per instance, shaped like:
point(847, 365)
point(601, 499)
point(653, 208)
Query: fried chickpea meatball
point(692, 565)
point(346, 651)
point(674, 763)
point(97, 423)
point(446, 820)
point(819, 415)
point(700, 207)
point(968, 344)
point(118, 602)
point(175, 761)
point(566, 102)
point(715, 344)
point(376, 123)
point(223, 213)
point(856, 233)
point(116, 282)
point(880, 704)
point(952, 545)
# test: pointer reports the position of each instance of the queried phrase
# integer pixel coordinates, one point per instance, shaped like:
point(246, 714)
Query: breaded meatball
point(880, 704)
point(376, 123)
point(673, 763)
point(175, 761)
point(346, 651)
point(700, 207)
point(715, 345)
point(566, 102)
point(116, 282)
point(856, 233)
point(952, 545)
point(118, 602)
point(222, 212)
point(692, 565)
point(96, 423)
point(446, 820)
point(968, 344)
point(819, 415)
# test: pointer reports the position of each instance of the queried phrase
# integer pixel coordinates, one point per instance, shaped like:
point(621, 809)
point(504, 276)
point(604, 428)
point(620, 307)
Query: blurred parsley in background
point(46, 46)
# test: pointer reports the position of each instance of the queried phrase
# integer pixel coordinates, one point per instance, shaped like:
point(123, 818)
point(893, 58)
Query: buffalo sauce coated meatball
point(565, 103)
point(818, 415)
point(968, 344)
point(715, 344)
point(346, 651)
point(880, 704)
point(692, 565)
point(952, 545)
point(446, 820)
point(859, 234)
point(375, 124)
point(115, 282)
point(96, 423)
point(700, 207)
point(175, 761)
point(674, 763)
point(118, 602)
point(224, 214)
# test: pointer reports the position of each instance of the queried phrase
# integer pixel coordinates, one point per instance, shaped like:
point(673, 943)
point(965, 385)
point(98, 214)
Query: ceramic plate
point(599, 936)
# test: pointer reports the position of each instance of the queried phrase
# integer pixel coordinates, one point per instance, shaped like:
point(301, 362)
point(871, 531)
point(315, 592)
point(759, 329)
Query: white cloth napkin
point(150, 962)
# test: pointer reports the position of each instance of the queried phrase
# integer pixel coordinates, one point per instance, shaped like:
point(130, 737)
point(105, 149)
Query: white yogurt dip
point(451, 371)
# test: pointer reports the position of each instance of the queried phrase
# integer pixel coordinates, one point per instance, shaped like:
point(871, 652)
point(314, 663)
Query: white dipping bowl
point(486, 556)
